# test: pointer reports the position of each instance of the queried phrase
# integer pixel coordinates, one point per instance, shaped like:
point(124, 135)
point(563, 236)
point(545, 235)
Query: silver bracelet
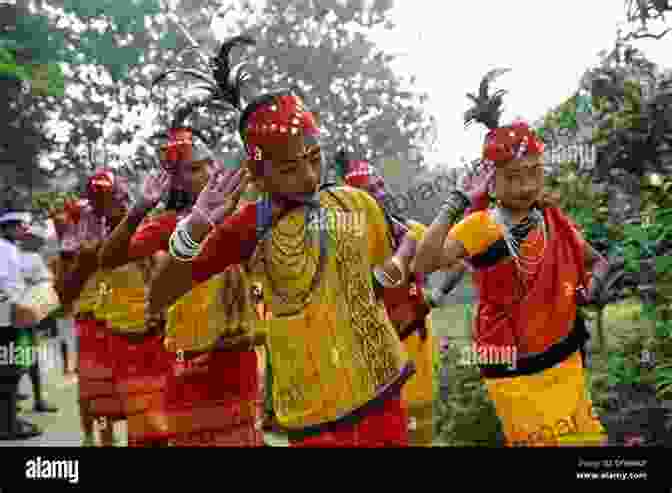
point(178, 249)
point(175, 251)
point(183, 229)
point(186, 240)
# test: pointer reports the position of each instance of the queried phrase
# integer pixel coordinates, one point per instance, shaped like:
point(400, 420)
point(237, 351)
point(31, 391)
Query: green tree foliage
point(48, 46)
point(321, 49)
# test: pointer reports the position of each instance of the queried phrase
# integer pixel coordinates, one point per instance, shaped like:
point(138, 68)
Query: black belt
point(554, 355)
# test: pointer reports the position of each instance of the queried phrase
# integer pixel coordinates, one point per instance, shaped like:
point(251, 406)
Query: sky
point(547, 44)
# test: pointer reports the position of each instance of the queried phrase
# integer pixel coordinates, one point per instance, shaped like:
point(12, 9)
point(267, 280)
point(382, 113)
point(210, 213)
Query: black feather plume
point(230, 79)
point(487, 108)
point(217, 86)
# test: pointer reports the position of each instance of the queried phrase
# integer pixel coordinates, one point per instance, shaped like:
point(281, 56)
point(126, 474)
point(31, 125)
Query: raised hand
point(155, 186)
point(219, 198)
point(475, 183)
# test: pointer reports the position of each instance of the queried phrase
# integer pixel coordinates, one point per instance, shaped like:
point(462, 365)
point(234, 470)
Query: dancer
point(529, 260)
point(406, 303)
point(213, 383)
point(80, 288)
point(139, 367)
point(338, 364)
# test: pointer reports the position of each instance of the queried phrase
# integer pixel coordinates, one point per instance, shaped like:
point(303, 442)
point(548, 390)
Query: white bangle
point(185, 236)
point(178, 250)
point(186, 242)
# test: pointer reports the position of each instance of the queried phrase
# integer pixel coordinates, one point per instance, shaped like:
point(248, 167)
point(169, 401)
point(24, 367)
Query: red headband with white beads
point(273, 122)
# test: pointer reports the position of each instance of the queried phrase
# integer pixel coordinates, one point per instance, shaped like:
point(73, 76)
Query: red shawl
point(547, 310)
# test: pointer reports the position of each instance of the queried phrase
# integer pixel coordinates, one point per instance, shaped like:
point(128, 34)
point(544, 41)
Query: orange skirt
point(140, 377)
point(212, 400)
point(96, 370)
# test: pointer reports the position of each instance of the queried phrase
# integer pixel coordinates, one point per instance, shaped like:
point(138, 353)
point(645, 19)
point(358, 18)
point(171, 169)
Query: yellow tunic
point(88, 298)
point(220, 307)
point(418, 393)
point(332, 347)
point(121, 299)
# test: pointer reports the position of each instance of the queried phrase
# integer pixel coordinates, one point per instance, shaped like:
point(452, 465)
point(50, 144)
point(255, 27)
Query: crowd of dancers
point(202, 317)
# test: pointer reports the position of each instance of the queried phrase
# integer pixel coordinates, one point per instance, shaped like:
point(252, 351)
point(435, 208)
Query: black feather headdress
point(487, 108)
point(221, 86)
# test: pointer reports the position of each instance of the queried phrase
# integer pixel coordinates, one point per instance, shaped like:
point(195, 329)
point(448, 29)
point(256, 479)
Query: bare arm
point(428, 257)
point(78, 271)
point(115, 251)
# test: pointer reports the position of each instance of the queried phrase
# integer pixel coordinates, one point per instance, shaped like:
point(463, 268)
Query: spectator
point(17, 311)
point(35, 271)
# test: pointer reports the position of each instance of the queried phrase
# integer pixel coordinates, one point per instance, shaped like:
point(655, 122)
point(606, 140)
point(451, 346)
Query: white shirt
point(12, 284)
point(33, 268)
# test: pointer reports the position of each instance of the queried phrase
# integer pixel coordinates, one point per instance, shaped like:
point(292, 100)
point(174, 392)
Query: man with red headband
point(338, 364)
point(530, 267)
point(212, 385)
point(87, 222)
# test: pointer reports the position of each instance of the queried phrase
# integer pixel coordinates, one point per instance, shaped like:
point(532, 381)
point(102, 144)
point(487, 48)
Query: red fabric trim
point(383, 427)
point(548, 310)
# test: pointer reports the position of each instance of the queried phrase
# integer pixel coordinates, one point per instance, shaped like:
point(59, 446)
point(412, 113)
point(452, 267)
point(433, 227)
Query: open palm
point(220, 197)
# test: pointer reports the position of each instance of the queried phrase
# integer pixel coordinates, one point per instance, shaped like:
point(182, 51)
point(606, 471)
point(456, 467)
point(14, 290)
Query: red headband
point(106, 180)
point(101, 181)
point(511, 142)
point(178, 148)
point(274, 121)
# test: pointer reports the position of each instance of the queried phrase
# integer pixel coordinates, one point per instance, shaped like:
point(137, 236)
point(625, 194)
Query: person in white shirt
point(17, 311)
point(35, 272)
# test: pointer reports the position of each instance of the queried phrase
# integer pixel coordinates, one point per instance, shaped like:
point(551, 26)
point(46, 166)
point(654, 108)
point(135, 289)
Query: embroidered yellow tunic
point(88, 298)
point(332, 347)
point(220, 307)
point(121, 299)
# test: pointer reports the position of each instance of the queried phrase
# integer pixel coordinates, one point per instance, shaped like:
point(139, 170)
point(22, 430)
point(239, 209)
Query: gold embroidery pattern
point(341, 313)
point(381, 350)
point(291, 395)
point(235, 301)
point(121, 298)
